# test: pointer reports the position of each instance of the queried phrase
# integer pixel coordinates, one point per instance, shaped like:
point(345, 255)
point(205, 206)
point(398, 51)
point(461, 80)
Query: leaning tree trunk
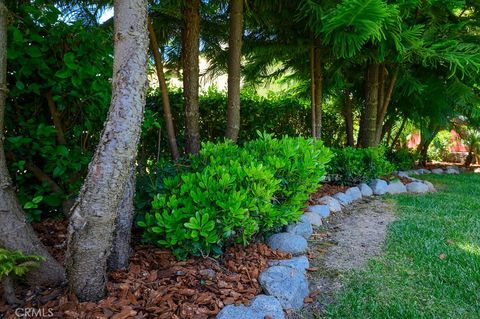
point(93, 217)
point(348, 116)
point(167, 113)
point(190, 54)
point(121, 250)
point(368, 130)
point(312, 88)
point(234, 59)
point(318, 77)
point(384, 100)
point(15, 232)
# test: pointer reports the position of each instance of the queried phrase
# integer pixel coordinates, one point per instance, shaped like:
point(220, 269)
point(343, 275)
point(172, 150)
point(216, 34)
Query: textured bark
point(121, 250)
point(190, 56)
point(234, 60)
point(384, 101)
point(348, 116)
point(9, 291)
point(368, 129)
point(15, 232)
point(312, 88)
point(318, 76)
point(92, 221)
point(167, 113)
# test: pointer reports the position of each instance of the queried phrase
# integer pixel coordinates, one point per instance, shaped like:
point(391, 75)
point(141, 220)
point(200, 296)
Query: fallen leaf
point(442, 256)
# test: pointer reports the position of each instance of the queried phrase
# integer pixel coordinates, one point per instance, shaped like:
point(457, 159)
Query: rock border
point(285, 282)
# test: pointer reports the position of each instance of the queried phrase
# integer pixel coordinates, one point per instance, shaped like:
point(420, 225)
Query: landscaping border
point(285, 283)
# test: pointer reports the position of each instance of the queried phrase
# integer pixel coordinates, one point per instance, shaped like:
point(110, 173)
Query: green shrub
point(403, 158)
point(356, 165)
point(230, 193)
point(14, 262)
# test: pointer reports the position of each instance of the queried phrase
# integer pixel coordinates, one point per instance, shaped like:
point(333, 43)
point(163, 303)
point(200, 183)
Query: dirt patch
point(345, 242)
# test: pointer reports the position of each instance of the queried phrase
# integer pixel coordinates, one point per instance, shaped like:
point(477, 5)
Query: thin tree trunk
point(234, 63)
point(312, 89)
point(318, 75)
point(400, 130)
point(123, 227)
point(348, 116)
point(386, 98)
point(92, 221)
point(190, 54)
point(370, 123)
point(56, 118)
point(15, 232)
point(167, 113)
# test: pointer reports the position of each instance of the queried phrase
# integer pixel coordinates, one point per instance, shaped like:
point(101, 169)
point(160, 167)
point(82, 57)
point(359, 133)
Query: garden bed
point(156, 284)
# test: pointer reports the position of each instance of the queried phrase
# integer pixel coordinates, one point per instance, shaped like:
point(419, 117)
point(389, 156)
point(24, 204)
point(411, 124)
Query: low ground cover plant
point(230, 193)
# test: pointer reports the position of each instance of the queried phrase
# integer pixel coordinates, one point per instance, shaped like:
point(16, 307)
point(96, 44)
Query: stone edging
point(285, 282)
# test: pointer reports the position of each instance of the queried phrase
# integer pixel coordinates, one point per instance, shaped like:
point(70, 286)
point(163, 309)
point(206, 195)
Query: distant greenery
point(431, 264)
point(231, 193)
point(350, 166)
point(403, 158)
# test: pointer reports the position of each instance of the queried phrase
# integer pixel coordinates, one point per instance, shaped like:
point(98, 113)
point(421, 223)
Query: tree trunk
point(190, 54)
point(318, 77)
point(312, 88)
point(234, 63)
point(9, 291)
point(57, 122)
point(385, 101)
point(92, 221)
point(15, 232)
point(370, 123)
point(400, 130)
point(167, 113)
point(123, 227)
point(348, 116)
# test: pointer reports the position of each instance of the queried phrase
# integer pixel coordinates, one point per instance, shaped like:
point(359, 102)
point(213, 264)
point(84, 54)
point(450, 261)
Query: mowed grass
point(430, 267)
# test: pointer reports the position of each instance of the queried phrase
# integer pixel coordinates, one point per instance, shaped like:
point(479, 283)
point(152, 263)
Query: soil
point(346, 241)
point(326, 190)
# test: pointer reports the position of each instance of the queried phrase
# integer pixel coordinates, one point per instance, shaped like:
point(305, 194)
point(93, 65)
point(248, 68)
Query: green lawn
point(430, 267)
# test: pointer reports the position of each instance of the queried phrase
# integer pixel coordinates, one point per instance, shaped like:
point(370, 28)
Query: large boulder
point(333, 204)
point(303, 227)
point(379, 186)
point(343, 198)
point(396, 187)
point(287, 284)
point(288, 243)
point(437, 171)
point(365, 190)
point(417, 187)
point(322, 210)
point(354, 193)
point(261, 307)
point(313, 218)
point(299, 263)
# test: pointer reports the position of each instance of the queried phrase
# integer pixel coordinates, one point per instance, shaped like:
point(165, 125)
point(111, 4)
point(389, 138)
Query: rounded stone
point(287, 284)
point(288, 243)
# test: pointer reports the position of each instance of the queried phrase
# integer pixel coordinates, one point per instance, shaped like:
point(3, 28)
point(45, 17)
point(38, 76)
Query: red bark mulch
point(326, 190)
point(156, 285)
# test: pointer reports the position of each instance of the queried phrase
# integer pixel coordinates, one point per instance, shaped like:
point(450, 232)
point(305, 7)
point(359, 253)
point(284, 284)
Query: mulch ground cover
point(326, 189)
point(155, 285)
